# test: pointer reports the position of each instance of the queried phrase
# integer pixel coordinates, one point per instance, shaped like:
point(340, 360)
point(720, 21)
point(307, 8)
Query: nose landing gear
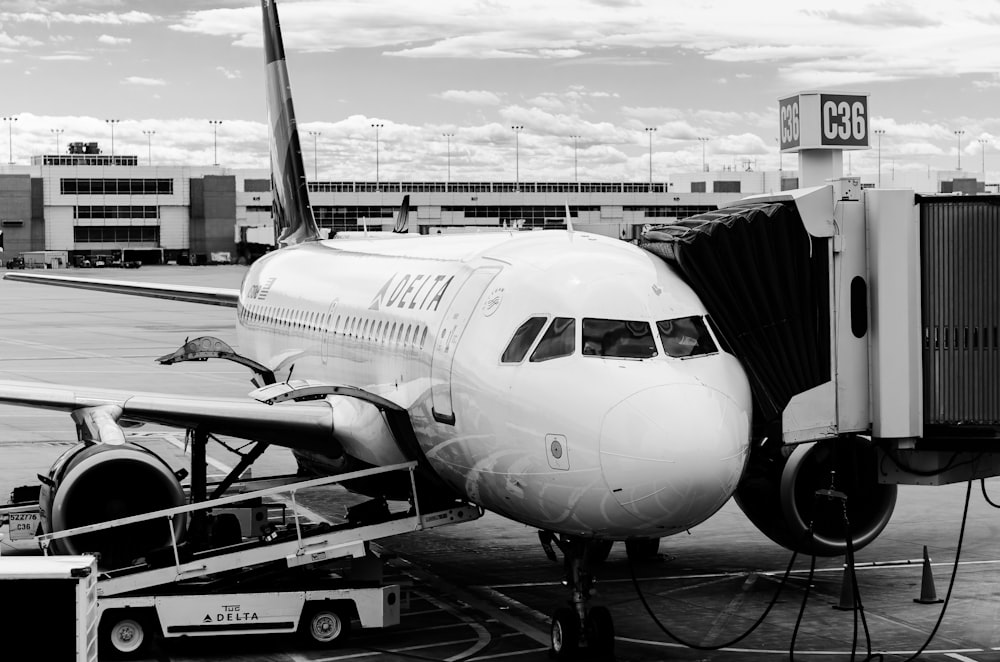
point(579, 631)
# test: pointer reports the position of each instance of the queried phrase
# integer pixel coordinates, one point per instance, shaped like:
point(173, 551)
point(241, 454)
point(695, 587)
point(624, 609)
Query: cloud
point(231, 74)
point(69, 57)
point(475, 97)
point(141, 80)
point(113, 41)
point(102, 18)
point(883, 14)
point(13, 43)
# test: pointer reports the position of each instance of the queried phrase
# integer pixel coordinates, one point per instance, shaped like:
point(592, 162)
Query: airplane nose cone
point(672, 455)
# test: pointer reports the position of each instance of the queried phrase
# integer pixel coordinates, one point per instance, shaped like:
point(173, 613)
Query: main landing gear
point(577, 630)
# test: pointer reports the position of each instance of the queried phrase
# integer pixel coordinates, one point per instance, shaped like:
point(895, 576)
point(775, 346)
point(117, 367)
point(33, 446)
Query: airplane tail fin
point(293, 217)
point(404, 215)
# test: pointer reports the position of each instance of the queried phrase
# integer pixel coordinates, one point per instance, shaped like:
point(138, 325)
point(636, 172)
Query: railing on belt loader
point(131, 607)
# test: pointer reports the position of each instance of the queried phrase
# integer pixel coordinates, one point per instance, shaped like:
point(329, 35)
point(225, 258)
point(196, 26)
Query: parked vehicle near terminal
point(16, 263)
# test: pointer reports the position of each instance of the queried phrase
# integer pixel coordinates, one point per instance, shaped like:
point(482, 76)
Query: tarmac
point(483, 590)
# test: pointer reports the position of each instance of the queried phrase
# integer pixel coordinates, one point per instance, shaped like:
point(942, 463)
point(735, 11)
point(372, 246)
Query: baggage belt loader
point(282, 574)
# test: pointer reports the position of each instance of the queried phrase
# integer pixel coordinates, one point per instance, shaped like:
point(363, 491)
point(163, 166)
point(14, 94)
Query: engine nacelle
point(92, 483)
point(778, 494)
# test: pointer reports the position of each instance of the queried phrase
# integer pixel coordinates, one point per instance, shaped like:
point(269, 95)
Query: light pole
point(10, 139)
point(149, 145)
point(879, 133)
point(448, 136)
point(517, 128)
point(983, 141)
point(315, 135)
point(56, 133)
point(703, 142)
point(959, 133)
point(649, 132)
point(576, 172)
point(377, 127)
point(112, 123)
point(215, 140)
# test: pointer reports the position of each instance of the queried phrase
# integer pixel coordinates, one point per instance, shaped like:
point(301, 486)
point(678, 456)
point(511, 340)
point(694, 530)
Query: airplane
point(565, 380)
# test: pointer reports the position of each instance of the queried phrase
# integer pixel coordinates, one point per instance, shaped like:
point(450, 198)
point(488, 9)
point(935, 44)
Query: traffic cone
point(846, 591)
point(928, 596)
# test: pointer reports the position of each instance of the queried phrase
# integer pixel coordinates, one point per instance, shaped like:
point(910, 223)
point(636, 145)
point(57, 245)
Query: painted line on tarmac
point(406, 649)
point(482, 633)
point(960, 658)
point(735, 575)
point(482, 599)
point(778, 651)
point(497, 656)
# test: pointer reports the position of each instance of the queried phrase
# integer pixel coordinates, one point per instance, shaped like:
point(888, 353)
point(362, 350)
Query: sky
point(447, 80)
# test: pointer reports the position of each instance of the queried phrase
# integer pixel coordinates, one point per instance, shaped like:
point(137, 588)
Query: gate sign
point(817, 120)
point(790, 131)
point(844, 119)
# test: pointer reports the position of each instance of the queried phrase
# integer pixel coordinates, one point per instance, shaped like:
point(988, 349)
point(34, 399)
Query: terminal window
point(116, 234)
point(115, 211)
point(79, 186)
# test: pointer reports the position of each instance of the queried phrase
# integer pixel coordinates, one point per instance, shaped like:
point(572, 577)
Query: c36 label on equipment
point(24, 525)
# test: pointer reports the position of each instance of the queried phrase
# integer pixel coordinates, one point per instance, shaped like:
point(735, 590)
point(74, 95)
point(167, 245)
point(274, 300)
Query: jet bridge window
point(559, 340)
point(621, 339)
point(523, 338)
point(685, 336)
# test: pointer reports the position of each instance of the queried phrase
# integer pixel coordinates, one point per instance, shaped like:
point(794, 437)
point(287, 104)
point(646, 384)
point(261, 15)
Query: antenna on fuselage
point(569, 220)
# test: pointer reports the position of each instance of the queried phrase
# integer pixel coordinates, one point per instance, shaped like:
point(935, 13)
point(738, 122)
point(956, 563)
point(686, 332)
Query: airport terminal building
point(85, 203)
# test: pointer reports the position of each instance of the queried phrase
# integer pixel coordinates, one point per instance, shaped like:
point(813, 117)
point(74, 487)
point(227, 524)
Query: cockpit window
point(559, 340)
point(519, 345)
point(621, 339)
point(685, 336)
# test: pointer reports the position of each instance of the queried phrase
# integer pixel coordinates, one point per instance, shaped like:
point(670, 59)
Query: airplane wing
point(192, 294)
point(97, 412)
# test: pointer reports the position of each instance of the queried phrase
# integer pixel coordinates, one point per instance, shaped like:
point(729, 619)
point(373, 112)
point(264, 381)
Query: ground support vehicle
point(314, 578)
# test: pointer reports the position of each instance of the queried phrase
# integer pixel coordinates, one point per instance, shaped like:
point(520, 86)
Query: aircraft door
point(452, 327)
point(328, 336)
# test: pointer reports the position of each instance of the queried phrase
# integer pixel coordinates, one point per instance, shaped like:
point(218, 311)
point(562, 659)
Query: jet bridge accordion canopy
point(960, 274)
point(765, 283)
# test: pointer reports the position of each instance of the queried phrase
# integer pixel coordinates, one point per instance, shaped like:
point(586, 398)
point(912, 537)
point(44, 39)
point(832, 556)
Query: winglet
point(293, 217)
point(404, 215)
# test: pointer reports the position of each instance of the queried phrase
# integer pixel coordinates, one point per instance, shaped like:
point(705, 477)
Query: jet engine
point(92, 483)
point(778, 493)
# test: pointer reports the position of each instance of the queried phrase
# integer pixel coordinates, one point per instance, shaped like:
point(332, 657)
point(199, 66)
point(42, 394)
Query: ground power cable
point(954, 574)
point(727, 644)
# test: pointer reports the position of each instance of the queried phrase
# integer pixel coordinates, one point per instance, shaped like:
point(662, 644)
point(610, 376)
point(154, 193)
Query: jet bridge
point(863, 314)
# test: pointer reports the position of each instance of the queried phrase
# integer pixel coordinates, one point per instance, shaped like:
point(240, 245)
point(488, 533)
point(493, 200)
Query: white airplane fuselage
point(581, 445)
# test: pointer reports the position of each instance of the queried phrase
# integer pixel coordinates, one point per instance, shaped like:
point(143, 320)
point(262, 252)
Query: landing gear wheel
point(600, 630)
point(324, 625)
point(642, 549)
point(124, 635)
point(565, 634)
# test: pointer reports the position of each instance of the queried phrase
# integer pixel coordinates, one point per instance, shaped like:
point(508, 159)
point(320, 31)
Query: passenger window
point(423, 338)
point(559, 340)
point(620, 339)
point(519, 345)
point(685, 336)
